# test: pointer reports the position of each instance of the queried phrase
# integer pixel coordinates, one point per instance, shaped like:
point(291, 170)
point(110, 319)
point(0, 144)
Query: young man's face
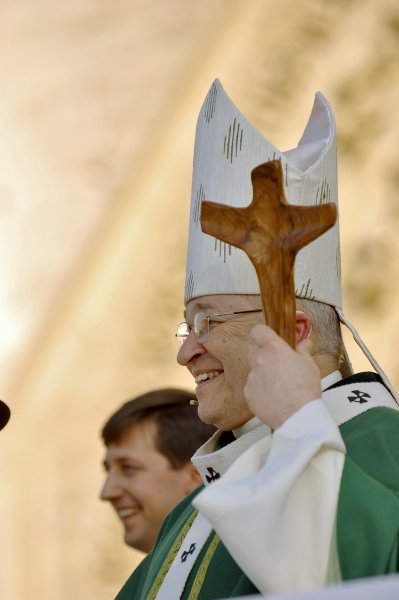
point(220, 364)
point(141, 484)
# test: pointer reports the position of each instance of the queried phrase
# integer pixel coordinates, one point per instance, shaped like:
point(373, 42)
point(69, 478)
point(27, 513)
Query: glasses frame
point(182, 337)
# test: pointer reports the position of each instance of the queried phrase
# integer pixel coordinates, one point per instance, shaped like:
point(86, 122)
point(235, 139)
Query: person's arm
point(368, 501)
point(275, 508)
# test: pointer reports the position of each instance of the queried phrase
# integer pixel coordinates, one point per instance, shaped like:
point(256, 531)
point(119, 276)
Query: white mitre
point(227, 148)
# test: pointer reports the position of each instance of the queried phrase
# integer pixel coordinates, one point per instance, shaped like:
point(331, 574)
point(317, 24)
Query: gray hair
point(327, 337)
point(326, 330)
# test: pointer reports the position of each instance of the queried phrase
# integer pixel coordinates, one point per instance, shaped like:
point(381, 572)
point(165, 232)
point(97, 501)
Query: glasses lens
point(182, 332)
point(201, 325)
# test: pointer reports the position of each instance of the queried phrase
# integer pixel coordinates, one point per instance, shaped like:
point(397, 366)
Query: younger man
point(149, 442)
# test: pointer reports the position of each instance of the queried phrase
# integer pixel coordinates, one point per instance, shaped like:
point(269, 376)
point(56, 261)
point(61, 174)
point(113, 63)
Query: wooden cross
point(271, 232)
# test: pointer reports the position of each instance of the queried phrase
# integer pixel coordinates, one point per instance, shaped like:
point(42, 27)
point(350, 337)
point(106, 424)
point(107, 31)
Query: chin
point(212, 419)
point(132, 541)
point(136, 545)
point(206, 417)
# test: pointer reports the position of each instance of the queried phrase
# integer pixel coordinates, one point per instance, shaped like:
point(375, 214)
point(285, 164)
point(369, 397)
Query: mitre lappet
point(227, 149)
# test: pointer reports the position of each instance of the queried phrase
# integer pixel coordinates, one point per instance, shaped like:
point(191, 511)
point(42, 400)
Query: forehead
point(217, 303)
point(139, 439)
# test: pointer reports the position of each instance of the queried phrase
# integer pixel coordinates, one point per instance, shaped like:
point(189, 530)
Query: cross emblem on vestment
point(359, 396)
point(271, 232)
point(187, 553)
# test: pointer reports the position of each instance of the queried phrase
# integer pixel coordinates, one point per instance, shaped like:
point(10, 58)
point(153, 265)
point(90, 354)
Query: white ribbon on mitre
point(227, 149)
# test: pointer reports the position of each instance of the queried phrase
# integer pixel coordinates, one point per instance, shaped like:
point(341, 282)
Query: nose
point(111, 489)
point(190, 349)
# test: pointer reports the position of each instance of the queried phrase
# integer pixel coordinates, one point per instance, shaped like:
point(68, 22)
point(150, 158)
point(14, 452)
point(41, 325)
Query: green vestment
point(367, 519)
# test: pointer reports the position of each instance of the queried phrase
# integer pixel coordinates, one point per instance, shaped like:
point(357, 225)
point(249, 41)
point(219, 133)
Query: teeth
point(127, 512)
point(205, 376)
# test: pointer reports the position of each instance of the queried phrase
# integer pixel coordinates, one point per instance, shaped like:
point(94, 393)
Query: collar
point(356, 395)
point(330, 380)
point(212, 465)
point(248, 426)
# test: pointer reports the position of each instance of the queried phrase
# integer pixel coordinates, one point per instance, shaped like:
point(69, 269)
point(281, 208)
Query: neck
point(326, 362)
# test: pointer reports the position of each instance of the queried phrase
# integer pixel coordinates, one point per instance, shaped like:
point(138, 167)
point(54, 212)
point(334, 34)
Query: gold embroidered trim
point(170, 557)
point(199, 578)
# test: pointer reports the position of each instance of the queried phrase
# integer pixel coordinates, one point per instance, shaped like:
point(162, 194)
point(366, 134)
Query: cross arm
point(271, 232)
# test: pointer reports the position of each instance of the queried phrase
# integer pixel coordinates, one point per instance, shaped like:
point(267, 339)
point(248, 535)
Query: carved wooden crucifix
point(271, 232)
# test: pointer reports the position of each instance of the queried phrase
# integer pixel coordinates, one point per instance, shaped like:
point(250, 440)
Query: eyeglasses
point(201, 324)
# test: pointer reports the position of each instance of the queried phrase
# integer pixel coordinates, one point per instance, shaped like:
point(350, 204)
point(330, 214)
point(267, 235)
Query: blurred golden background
point(98, 107)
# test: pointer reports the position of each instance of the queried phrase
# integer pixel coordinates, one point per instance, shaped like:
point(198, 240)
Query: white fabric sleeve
point(275, 508)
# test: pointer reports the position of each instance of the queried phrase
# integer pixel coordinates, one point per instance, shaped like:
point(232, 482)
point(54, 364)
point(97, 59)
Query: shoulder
point(371, 437)
point(350, 399)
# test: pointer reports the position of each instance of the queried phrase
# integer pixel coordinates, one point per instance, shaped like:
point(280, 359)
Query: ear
point(303, 326)
point(192, 477)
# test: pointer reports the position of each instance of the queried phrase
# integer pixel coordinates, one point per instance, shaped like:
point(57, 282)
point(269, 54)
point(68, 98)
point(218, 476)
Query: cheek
point(162, 479)
point(239, 367)
point(144, 485)
point(237, 353)
point(234, 349)
point(166, 491)
point(236, 372)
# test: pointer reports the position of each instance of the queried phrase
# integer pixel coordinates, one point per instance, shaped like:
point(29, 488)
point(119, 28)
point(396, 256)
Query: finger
point(256, 359)
point(263, 335)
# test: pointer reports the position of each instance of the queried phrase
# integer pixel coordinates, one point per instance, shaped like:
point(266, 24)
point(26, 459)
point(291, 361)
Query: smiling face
point(141, 484)
point(220, 364)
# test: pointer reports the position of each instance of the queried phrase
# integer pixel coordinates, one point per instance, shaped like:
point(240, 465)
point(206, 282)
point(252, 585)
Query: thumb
point(263, 335)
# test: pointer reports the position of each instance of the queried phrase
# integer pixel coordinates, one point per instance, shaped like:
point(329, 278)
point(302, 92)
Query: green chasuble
point(368, 509)
point(214, 575)
point(367, 519)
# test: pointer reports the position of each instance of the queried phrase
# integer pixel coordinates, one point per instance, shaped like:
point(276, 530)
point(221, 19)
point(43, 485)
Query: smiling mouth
point(124, 513)
point(206, 376)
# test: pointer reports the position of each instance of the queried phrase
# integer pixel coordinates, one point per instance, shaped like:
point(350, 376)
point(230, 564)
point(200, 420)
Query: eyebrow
point(120, 460)
point(201, 306)
point(204, 305)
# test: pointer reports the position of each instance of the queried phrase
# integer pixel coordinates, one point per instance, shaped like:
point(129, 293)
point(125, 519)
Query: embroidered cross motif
point(359, 397)
point(186, 554)
point(213, 475)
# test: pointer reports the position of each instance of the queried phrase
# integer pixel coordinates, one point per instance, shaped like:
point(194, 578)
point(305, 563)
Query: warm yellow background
point(98, 106)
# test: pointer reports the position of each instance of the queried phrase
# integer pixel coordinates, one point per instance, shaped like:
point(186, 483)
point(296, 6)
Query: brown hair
point(180, 432)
